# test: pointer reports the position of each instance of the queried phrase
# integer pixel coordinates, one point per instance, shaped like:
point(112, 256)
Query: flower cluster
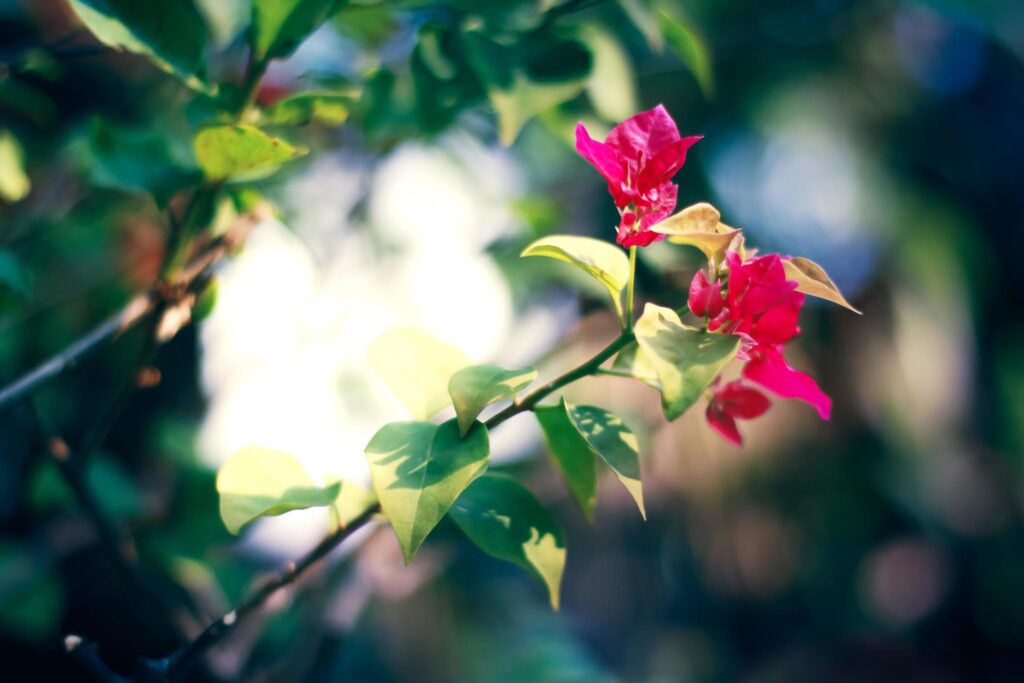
point(762, 307)
point(638, 159)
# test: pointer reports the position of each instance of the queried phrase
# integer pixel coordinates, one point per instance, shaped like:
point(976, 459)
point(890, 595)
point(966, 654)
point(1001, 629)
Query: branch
point(181, 661)
point(88, 657)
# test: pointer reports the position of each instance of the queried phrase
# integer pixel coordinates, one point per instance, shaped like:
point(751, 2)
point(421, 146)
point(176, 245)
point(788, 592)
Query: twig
point(88, 657)
point(181, 661)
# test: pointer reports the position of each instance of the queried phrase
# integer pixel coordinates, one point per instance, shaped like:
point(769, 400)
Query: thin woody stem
point(628, 322)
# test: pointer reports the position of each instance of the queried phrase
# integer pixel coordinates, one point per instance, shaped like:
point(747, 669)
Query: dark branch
point(89, 659)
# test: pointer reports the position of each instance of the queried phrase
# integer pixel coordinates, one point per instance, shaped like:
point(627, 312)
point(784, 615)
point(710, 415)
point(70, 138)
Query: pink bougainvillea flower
point(638, 159)
point(705, 300)
point(734, 401)
point(761, 304)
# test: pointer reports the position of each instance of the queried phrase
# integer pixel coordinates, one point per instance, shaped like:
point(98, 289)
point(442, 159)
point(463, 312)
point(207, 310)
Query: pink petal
point(768, 368)
point(601, 156)
point(723, 423)
point(643, 135)
point(778, 324)
point(666, 163)
point(660, 207)
point(742, 401)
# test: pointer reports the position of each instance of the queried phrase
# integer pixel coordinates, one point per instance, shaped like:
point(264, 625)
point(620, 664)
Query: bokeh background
point(882, 138)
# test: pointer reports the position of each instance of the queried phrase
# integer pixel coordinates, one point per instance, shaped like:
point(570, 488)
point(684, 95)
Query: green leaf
point(14, 182)
point(506, 521)
point(260, 482)
point(331, 109)
point(685, 359)
point(688, 45)
point(601, 260)
point(240, 152)
point(525, 99)
point(612, 86)
point(14, 276)
point(48, 489)
point(571, 453)
point(170, 32)
point(474, 388)
point(611, 440)
point(416, 367)
point(813, 280)
point(32, 598)
point(419, 469)
point(699, 226)
point(279, 26)
point(352, 501)
point(632, 360)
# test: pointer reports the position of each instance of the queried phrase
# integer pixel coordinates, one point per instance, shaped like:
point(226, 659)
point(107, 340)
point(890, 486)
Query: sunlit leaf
point(279, 26)
point(419, 469)
point(506, 521)
point(524, 100)
point(699, 226)
point(611, 440)
point(571, 454)
point(685, 359)
point(632, 360)
point(260, 482)
point(601, 260)
point(14, 182)
point(240, 152)
point(417, 368)
point(330, 109)
point(474, 388)
point(813, 280)
point(170, 32)
point(611, 86)
point(353, 500)
point(688, 45)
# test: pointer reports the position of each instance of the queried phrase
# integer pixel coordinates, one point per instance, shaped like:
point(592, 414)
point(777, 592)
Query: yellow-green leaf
point(240, 152)
point(417, 368)
point(259, 482)
point(603, 261)
point(474, 388)
point(813, 280)
point(506, 521)
point(524, 100)
point(685, 359)
point(352, 500)
point(14, 182)
point(419, 469)
point(330, 109)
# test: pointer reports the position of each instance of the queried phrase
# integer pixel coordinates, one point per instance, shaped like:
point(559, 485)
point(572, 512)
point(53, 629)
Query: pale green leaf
point(612, 86)
point(14, 182)
point(331, 109)
point(240, 152)
point(260, 482)
point(633, 361)
point(601, 260)
point(417, 368)
point(419, 469)
point(353, 500)
point(685, 359)
point(170, 32)
point(524, 100)
point(279, 26)
point(571, 453)
point(507, 522)
point(813, 280)
point(474, 388)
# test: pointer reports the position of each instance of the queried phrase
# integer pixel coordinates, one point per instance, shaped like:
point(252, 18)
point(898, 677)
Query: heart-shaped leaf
point(240, 152)
point(813, 280)
point(685, 359)
point(259, 482)
point(603, 261)
point(474, 388)
point(417, 368)
point(507, 522)
point(419, 469)
point(353, 500)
